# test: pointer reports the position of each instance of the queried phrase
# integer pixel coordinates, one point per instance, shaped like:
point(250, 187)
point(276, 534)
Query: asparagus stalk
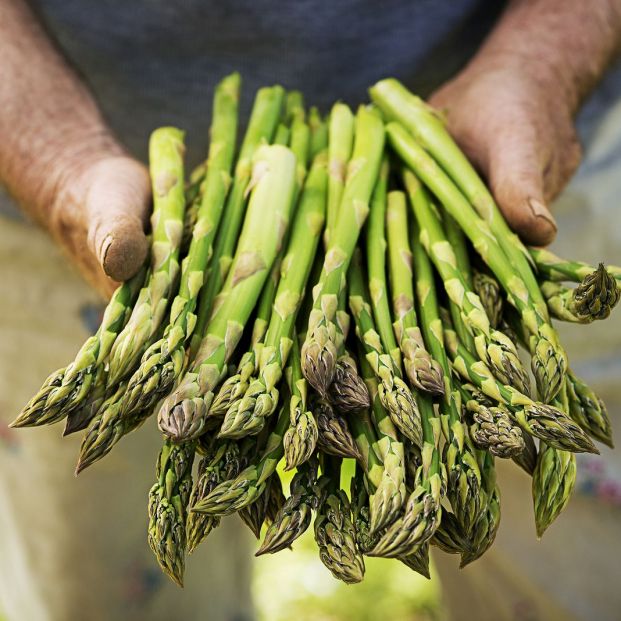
point(449, 536)
point(166, 150)
point(335, 533)
point(552, 267)
point(376, 265)
point(300, 439)
point(261, 397)
point(320, 348)
point(488, 290)
point(456, 238)
point(422, 370)
point(393, 392)
point(222, 463)
point(493, 347)
point(340, 143)
point(588, 410)
point(319, 132)
point(234, 387)
point(389, 495)
point(163, 361)
point(553, 482)
point(427, 127)
point(182, 414)
point(168, 500)
point(282, 135)
point(257, 512)
point(295, 516)
point(464, 476)
point(65, 390)
point(359, 495)
point(261, 127)
point(333, 434)
point(549, 360)
point(418, 561)
point(484, 532)
point(495, 430)
point(593, 299)
point(540, 420)
point(348, 392)
point(235, 494)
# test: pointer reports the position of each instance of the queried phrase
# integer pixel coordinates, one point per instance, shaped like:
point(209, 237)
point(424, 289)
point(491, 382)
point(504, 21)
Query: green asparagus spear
point(67, 389)
point(422, 370)
point(182, 414)
point(320, 349)
point(261, 397)
point(231, 496)
point(340, 143)
point(540, 420)
point(166, 150)
point(335, 533)
point(549, 360)
point(393, 391)
point(300, 438)
point(498, 352)
point(168, 500)
point(463, 473)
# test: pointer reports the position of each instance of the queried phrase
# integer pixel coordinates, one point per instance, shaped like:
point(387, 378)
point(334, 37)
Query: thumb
point(117, 204)
point(516, 177)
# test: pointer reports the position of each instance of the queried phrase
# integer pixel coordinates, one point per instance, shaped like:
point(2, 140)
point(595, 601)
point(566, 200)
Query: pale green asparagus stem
point(540, 420)
point(552, 267)
point(340, 143)
point(320, 349)
point(182, 414)
point(491, 345)
point(463, 473)
point(422, 370)
point(163, 362)
point(166, 151)
point(261, 397)
point(394, 393)
point(261, 127)
point(319, 132)
point(549, 361)
point(66, 390)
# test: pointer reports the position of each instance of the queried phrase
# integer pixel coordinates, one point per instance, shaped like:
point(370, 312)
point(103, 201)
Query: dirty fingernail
point(539, 210)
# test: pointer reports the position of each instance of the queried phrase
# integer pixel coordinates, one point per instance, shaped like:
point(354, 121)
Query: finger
point(516, 177)
point(117, 204)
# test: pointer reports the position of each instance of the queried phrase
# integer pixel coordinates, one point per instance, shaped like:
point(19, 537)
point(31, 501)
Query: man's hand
point(512, 108)
point(59, 160)
point(97, 214)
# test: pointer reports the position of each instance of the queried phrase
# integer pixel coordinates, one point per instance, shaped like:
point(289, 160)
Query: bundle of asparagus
point(339, 289)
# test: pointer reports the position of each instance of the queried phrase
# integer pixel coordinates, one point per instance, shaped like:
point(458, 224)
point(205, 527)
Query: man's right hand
point(97, 214)
point(59, 160)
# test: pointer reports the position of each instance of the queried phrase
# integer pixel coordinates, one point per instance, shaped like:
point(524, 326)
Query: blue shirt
point(155, 62)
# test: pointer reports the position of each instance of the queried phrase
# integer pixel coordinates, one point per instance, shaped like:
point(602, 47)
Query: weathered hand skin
point(512, 108)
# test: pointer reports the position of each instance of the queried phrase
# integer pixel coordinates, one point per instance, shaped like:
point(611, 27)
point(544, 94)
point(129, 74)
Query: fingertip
point(534, 223)
point(123, 249)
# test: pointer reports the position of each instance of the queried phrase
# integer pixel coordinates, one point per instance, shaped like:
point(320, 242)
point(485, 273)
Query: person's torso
point(152, 62)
